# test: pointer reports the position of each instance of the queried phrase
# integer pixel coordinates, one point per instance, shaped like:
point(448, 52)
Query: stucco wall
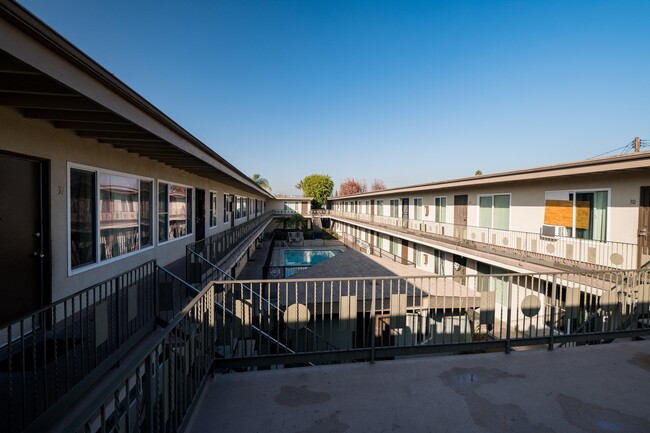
point(60, 147)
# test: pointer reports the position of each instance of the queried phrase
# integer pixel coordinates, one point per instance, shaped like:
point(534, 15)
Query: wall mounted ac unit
point(549, 231)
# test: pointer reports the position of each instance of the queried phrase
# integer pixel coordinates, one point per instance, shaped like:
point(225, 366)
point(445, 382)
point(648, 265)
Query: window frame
point(437, 200)
point(575, 193)
point(397, 208)
point(97, 207)
point(416, 207)
point(492, 195)
point(189, 216)
point(213, 213)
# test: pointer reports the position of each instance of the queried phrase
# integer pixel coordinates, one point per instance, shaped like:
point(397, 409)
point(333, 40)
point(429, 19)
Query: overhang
point(45, 77)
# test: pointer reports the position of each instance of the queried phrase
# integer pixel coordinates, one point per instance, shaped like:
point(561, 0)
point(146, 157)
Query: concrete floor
point(583, 389)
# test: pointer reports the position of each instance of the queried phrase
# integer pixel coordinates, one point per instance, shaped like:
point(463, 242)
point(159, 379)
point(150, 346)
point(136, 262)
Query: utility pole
point(637, 143)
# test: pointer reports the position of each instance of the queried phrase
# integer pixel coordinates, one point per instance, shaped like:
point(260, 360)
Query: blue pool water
point(307, 257)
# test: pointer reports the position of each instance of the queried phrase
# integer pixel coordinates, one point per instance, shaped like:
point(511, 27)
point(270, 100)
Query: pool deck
point(349, 263)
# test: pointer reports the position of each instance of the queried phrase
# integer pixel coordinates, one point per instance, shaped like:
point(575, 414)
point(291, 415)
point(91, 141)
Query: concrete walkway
point(584, 389)
point(349, 263)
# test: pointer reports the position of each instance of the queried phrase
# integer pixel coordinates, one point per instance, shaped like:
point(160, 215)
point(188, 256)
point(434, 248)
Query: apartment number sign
point(560, 213)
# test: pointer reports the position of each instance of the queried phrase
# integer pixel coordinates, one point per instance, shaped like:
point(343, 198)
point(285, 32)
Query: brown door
point(644, 226)
point(460, 210)
point(405, 212)
point(304, 207)
point(405, 252)
point(25, 242)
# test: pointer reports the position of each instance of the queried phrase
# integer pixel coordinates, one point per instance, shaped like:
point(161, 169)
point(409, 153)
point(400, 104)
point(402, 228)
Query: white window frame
point(215, 210)
point(478, 207)
point(98, 261)
point(189, 233)
point(415, 208)
point(436, 207)
point(226, 207)
point(573, 210)
point(380, 207)
point(397, 207)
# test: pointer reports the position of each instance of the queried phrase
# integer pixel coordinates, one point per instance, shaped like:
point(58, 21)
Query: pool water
point(307, 257)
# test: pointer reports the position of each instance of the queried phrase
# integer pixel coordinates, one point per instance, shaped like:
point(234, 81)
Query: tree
point(262, 182)
point(352, 186)
point(377, 185)
point(478, 173)
point(318, 187)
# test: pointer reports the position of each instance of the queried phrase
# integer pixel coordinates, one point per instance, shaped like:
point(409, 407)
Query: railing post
point(552, 318)
point(373, 325)
point(156, 290)
point(147, 395)
point(508, 321)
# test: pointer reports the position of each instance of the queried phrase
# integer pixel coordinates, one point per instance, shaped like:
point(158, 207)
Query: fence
point(50, 357)
point(371, 318)
point(367, 248)
point(159, 388)
point(529, 246)
point(215, 248)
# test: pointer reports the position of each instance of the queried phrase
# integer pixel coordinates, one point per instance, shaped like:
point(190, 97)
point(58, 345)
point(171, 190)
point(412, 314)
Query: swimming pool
point(307, 257)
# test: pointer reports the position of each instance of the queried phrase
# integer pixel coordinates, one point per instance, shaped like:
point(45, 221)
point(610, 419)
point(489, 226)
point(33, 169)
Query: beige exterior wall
point(527, 203)
point(61, 147)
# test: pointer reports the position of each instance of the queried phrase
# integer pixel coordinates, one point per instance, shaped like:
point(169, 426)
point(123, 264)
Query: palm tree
point(262, 182)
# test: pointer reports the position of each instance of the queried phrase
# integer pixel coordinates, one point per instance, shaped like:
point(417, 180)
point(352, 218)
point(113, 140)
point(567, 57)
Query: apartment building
point(589, 214)
point(103, 198)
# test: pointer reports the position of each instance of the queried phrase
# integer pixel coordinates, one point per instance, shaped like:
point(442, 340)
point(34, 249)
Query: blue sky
point(409, 92)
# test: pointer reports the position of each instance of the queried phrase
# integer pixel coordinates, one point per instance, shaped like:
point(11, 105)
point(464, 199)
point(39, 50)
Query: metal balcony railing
point(214, 248)
point(526, 246)
point(370, 318)
point(50, 357)
point(158, 387)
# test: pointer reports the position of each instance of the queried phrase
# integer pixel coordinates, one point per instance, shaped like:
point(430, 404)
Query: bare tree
point(377, 185)
point(352, 186)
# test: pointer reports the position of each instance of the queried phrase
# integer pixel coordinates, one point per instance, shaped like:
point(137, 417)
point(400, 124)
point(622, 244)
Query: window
point(582, 213)
point(417, 204)
point(394, 208)
point(227, 207)
point(367, 209)
point(213, 208)
point(488, 282)
point(440, 214)
point(110, 215)
point(394, 246)
point(380, 207)
point(418, 255)
point(244, 207)
point(494, 211)
point(174, 211)
point(292, 206)
point(237, 208)
point(439, 262)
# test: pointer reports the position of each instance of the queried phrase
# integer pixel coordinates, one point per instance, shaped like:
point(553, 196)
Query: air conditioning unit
point(549, 231)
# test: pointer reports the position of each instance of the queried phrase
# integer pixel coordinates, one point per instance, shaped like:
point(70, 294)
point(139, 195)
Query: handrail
point(254, 293)
point(506, 241)
point(77, 339)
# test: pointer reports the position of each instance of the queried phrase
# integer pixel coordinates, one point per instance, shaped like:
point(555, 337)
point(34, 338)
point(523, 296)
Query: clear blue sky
point(407, 91)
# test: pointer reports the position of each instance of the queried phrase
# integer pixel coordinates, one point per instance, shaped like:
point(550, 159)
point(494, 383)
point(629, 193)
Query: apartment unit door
point(405, 213)
point(644, 226)
point(25, 241)
point(200, 214)
point(460, 210)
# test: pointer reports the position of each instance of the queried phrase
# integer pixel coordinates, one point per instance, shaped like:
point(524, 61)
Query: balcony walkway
point(584, 389)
